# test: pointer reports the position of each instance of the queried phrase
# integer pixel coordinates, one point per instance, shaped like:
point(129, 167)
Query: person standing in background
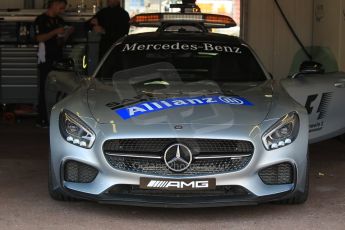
point(51, 33)
point(195, 9)
point(112, 22)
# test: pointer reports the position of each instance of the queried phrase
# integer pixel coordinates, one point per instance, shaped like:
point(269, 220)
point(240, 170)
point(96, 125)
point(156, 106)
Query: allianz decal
point(159, 105)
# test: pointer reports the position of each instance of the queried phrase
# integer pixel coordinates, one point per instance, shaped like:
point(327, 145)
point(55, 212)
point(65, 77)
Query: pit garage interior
point(319, 25)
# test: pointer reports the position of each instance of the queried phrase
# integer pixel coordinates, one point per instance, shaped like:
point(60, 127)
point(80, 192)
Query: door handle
point(339, 84)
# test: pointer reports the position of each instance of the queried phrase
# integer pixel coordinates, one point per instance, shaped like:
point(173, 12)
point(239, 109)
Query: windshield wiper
point(128, 101)
point(209, 92)
point(143, 97)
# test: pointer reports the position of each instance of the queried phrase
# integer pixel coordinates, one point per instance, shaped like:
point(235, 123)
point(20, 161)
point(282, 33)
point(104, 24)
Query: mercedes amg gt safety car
point(181, 117)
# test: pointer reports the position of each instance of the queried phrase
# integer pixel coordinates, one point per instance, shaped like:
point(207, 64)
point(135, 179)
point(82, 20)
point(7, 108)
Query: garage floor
point(25, 203)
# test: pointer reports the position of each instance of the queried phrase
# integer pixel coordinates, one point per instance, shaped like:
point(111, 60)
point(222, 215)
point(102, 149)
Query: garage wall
point(5, 4)
point(268, 34)
point(8, 4)
point(329, 24)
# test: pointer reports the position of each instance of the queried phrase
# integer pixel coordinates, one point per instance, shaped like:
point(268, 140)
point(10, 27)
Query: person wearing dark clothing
point(51, 33)
point(195, 8)
point(46, 24)
point(112, 22)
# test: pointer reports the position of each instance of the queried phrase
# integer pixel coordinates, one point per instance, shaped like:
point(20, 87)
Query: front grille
point(78, 172)
point(134, 148)
point(158, 145)
point(219, 191)
point(277, 174)
point(158, 167)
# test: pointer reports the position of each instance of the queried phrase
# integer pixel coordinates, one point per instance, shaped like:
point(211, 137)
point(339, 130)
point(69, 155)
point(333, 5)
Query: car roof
point(182, 36)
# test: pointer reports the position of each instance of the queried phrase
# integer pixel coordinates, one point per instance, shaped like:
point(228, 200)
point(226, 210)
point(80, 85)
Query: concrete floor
point(25, 203)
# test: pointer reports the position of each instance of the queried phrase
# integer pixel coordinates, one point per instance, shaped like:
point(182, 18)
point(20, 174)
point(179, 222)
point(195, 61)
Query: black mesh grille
point(158, 145)
point(78, 172)
point(219, 191)
point(198, 147)
point(158, 167)
point(277, 174)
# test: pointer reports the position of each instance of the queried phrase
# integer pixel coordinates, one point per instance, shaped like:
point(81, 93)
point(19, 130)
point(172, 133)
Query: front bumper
point(179, 202)
point(248, 178)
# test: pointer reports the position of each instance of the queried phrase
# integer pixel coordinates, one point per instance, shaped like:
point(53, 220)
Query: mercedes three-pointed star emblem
point(178, 157)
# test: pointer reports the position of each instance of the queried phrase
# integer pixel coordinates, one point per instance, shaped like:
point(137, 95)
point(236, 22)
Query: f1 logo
point(310, 100)
point(323, 106)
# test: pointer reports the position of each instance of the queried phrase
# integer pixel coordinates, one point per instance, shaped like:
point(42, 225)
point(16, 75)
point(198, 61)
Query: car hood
point(232, 104)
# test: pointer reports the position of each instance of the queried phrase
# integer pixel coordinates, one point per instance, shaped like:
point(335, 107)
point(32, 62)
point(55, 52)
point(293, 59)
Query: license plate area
point(178, 184)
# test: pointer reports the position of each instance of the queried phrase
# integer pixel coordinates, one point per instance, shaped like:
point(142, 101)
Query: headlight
point(282, 133)
point(75, 131)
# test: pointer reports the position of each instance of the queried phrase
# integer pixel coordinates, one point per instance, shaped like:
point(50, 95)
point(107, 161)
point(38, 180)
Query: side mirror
point(309, 67)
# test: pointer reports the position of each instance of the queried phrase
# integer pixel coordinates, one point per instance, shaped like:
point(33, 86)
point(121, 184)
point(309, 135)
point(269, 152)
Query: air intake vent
point(78, 172)
point(277, 174)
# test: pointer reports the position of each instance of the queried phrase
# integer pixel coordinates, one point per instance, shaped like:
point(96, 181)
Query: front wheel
point(299, 197)
point(341, 138)
point(56, 193)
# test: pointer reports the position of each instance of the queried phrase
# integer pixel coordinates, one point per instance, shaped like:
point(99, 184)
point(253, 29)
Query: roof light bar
point(183, 17)
point(220, 19)
point(147, 18)
point(157, 19)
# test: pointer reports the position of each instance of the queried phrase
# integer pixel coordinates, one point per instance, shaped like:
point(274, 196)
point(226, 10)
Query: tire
point(57, 194)
point(341, 138)
point(299, 197)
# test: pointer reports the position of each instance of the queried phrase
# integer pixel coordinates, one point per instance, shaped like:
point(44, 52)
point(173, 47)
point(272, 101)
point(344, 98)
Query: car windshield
point(192, 61)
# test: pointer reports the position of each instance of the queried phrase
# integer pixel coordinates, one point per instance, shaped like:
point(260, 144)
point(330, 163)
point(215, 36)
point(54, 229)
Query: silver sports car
point(180, 117)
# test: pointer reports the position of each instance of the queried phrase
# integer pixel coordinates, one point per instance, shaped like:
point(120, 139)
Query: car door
point(323, 95)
